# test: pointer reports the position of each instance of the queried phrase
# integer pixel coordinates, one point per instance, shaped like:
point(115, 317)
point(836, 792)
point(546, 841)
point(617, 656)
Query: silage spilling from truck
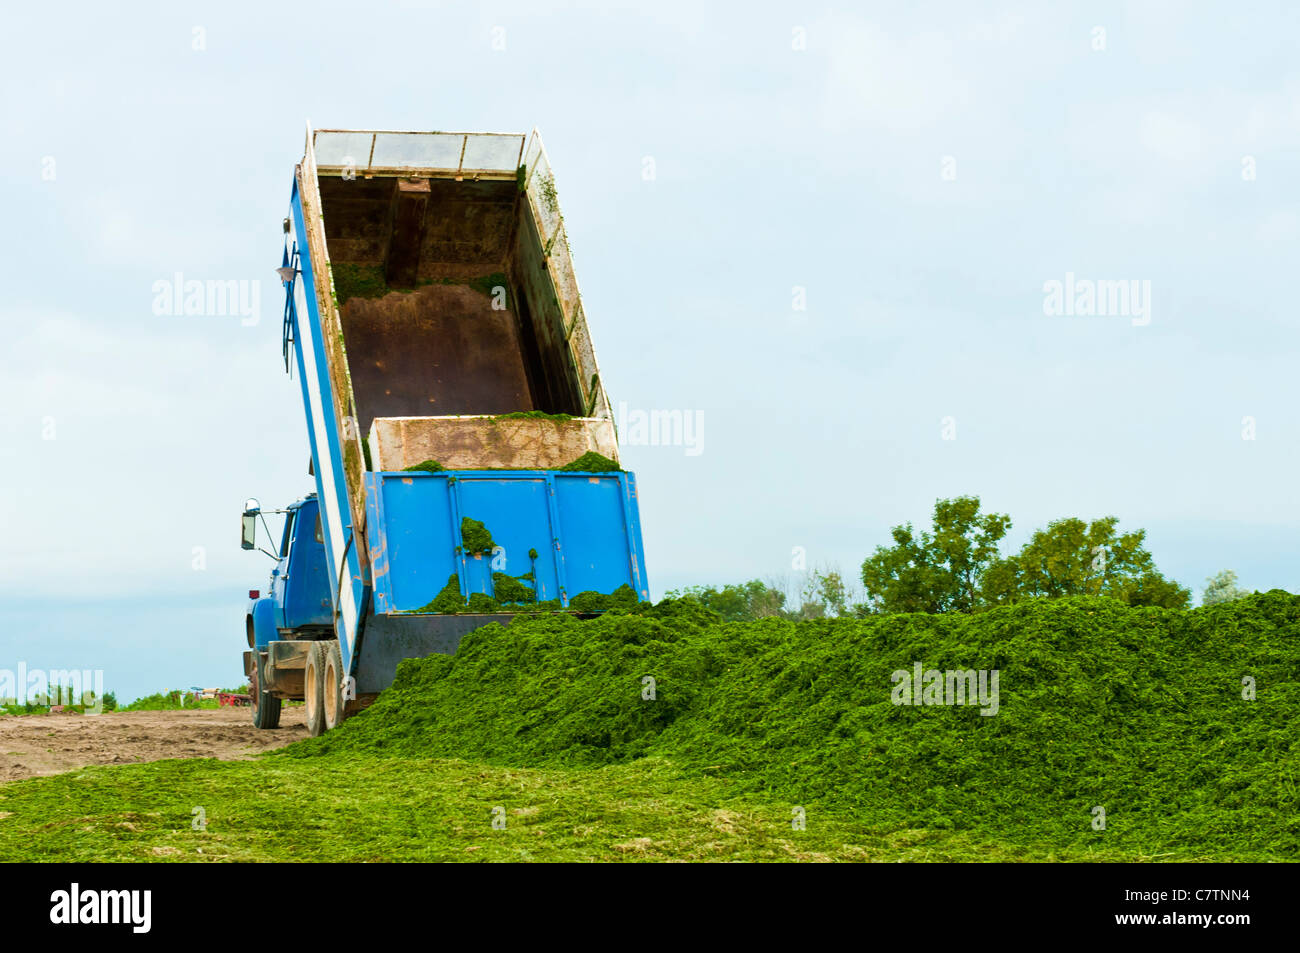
point(1148, 730)
point(452, 395)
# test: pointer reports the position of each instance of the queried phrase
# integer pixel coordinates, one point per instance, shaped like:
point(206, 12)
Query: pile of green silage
point(1136, 711)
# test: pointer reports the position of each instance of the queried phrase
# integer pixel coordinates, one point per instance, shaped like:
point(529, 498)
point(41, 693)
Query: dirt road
point(33, 745)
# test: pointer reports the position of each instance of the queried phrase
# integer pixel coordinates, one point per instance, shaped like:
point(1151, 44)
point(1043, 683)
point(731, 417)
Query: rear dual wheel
point(266, 707)
point(333, 688)
point(323, 687)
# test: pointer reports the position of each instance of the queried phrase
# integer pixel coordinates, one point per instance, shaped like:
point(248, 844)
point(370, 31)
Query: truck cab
point(296, 604)
point(296, 601)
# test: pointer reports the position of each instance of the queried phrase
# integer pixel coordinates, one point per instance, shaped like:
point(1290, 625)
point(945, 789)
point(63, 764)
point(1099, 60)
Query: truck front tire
point(266, 707)
point(313, 687)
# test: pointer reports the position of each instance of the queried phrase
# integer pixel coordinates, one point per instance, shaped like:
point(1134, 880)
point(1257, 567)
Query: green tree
point(1072, 557)
point(810, 609)
point(832, 592)
point(743, 602)
point(1222, 587)
point(822, 594)
point(938, 571)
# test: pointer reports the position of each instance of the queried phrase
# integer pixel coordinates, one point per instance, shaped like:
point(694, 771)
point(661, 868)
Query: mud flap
point(393, 637)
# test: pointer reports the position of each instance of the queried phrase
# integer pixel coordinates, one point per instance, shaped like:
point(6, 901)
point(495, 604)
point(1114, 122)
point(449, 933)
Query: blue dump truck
point(462, 444)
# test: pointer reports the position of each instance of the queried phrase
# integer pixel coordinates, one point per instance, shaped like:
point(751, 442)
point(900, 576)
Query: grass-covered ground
point(1145, 713)
point(359, 808)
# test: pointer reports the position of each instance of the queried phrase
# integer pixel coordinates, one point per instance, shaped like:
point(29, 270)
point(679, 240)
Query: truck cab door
point(307, 592)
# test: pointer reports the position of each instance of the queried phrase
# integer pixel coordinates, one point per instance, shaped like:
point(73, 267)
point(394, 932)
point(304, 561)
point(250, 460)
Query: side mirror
point(248, 527)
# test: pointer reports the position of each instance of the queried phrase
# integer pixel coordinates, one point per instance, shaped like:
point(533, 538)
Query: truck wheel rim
point(312, 702)
point(331, 693)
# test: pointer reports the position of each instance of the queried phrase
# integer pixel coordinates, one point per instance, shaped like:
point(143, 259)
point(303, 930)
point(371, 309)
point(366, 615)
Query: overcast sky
point(915, 176)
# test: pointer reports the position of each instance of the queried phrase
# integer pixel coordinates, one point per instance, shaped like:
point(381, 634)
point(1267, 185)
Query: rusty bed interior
point(449, 302)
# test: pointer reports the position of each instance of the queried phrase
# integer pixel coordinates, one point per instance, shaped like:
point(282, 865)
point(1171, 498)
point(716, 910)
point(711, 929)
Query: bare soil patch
point(32, 745)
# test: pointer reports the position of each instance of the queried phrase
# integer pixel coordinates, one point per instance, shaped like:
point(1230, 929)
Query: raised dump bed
point(456, 297)
point(449, 381)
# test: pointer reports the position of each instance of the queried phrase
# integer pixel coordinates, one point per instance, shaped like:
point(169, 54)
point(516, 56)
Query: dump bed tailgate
point(559, 533)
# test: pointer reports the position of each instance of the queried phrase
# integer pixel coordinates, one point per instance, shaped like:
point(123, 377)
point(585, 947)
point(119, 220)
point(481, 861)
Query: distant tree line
point(822, 594)
point(957, 566)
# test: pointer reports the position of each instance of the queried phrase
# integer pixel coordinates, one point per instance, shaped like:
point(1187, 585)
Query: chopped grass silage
point(1137, 711)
